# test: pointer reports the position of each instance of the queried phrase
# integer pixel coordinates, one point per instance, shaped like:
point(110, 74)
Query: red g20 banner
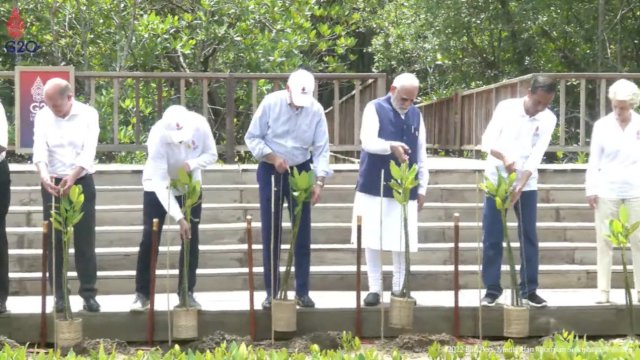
point(30, 82)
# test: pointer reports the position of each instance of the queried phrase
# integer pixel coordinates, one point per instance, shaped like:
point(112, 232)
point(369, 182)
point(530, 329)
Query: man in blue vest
point(392, 129)
point(288, 130)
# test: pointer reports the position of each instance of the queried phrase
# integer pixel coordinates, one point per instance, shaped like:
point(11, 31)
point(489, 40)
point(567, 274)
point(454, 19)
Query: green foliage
point(403, 179)
point(67, 213)
point(190, 189)
point(501, 193)
point(301, 188)
point(349, 342)
point(620, 232)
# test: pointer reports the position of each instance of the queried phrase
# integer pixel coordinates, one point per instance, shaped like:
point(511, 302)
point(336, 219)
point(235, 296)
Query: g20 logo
point(16, 28)
point(21, 47)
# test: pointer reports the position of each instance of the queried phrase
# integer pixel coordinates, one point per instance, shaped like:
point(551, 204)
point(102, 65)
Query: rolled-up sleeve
point(320, 148)
point(254, 138)
point(87, 155)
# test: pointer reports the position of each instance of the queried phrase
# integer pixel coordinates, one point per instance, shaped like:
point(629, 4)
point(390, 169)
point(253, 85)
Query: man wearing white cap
point(181, 139)
point(288, 130)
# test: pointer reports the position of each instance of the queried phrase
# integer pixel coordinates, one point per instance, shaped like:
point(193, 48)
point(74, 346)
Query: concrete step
point(322, 233)
point(31, 216)
point(333, 193)
point(235, 256)
point(328, 278)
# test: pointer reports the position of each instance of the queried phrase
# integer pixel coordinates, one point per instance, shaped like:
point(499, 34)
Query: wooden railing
point(129, 102)
point(457, 122)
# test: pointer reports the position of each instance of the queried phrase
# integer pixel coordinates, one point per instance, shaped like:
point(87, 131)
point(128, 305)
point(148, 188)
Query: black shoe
point(59, 305)
point(372, 299)
point(91, 305)
point(3, 307)
point(266, 304)
point(193, 303)
point(140, 304)
point(535, 300)
point(489, 299)
point(305, 301)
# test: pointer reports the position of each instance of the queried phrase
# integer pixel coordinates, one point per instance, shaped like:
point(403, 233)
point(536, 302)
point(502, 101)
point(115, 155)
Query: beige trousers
point(605, 210)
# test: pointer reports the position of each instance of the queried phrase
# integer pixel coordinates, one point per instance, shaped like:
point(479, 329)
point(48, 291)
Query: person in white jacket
point(181, 139)
point(613, 177)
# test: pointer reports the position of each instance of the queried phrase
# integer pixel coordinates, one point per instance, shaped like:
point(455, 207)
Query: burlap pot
point(401, 312)
point(68, 332)
point(516, 321)
point(284, 315)
point(185, 323)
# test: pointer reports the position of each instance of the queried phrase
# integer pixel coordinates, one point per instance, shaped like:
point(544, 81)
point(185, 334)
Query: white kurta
point(369, 206)
point(393, 239)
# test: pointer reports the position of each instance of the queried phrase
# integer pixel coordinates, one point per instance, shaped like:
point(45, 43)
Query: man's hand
point(509, 165)
point(400, 151)
point(185, 231)
point(592, 200)
point(515, 193)
point(186, 167)
point(421, 200)
point(66, 184)
point(315, 195)
point(48, 185)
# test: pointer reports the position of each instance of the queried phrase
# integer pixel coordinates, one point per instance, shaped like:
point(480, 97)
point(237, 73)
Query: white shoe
point(140, 304)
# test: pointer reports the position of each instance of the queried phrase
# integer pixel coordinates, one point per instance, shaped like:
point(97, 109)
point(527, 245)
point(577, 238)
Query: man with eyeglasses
point(392, 130)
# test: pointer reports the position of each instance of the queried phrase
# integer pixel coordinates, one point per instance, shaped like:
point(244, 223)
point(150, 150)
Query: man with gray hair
point(392, 130)
point(613, 177)
point(65, 138)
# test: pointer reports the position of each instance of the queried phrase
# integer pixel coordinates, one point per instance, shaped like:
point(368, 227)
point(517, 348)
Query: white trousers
point(605, 210)
point(374, 270)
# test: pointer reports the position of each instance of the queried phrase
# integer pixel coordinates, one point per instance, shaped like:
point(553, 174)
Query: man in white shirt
point(613, 177)
point(515, 140)
point(64, 147)
point(392, 130)
point(5, 199)
point(182, 139)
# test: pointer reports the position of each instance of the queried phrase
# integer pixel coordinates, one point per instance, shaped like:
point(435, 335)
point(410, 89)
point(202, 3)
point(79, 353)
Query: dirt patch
point(215, 340)
point(6, 341)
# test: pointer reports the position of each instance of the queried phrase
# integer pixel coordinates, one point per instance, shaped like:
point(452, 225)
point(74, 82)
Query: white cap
point(301, 84)
point(176, 123)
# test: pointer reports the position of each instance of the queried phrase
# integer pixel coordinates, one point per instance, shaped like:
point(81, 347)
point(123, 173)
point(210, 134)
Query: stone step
point(322, 233)
point(343, 194)
point(31, 216)
point(327, 278)
point(441, 170)
point(235, 256)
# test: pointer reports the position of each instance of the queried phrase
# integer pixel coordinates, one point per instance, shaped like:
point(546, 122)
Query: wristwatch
point(320, 183)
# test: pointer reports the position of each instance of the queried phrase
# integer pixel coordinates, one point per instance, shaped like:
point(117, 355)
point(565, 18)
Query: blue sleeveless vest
point(392, 128)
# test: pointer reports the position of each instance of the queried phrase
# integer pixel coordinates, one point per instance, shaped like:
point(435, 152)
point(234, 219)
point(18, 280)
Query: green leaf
point(395, 170)
point(499, 204)
point(623, 214)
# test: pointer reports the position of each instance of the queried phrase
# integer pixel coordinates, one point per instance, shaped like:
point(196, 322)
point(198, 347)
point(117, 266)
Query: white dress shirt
point(63, 144)
point(4, 132)
point(613, 171)
point(167, 157)
point(520, 137)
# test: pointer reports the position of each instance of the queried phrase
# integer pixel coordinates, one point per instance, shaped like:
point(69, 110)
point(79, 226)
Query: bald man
point(64, 148)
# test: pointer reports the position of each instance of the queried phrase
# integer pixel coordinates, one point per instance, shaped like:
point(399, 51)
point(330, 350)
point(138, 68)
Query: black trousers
point(84, 240)
point(153, 209)
point(5, 199)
